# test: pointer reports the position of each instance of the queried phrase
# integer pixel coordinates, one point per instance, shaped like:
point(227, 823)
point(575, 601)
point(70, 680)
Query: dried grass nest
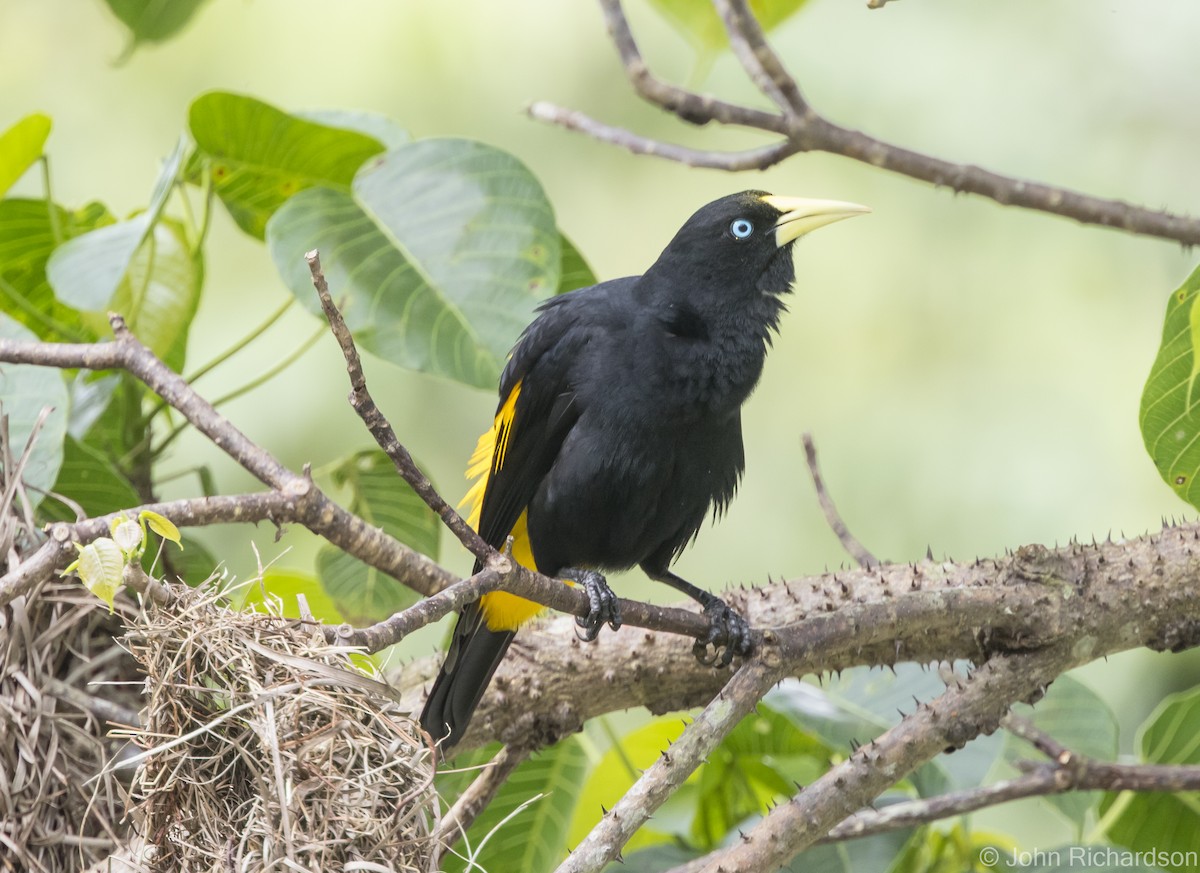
point(262, 747)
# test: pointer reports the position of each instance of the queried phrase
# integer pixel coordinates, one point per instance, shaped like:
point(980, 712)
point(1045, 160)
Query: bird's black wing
point(537, 409)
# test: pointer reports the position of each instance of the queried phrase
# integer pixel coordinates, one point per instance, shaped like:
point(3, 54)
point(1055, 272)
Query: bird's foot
point(603, 606)
point(728, 634)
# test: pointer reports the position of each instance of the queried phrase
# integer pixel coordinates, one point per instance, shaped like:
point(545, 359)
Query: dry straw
point(265, 748)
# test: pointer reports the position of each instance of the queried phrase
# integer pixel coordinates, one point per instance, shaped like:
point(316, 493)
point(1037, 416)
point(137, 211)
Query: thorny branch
point(1023, 617)
point(295, 499)
point(801, 128)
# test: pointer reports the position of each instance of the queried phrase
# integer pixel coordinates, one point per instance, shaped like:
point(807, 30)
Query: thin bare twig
point(860, 553)
point(317, 511)
point(750, 159)
point(739, 696)
point(806, 130)
point(380, 428)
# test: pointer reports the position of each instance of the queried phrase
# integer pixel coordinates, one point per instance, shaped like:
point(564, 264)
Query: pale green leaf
point(286, 585)
point(380, 497)
point(616, 772)
point(700, 24)
point(128, 536)
point(160, 292)
point(1170, 417)
point(260, 156)
point(29, 232)
point(86, 271)
point(162, 526)
point(26, 390)
point(20, 147)
point(535, 839)
point(99, 568)
point(441, 252)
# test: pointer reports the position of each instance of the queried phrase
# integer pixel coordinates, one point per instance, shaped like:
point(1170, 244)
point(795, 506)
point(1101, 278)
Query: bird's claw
point(603, 605)
point(728, 634)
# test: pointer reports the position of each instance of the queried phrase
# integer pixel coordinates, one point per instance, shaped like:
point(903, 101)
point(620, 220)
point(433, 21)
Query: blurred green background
point(970, 373)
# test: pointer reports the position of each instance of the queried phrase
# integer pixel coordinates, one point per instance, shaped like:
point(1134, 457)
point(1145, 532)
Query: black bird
point(619, 427)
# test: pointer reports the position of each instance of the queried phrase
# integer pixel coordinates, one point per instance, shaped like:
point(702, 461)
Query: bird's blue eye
point(741, 228)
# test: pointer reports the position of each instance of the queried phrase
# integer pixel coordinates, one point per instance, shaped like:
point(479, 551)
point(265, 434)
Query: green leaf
point(757, 766)
point(378, 495)
point(1170, 413)
point(25, 390)
point(859, 704)
point(20, 147)
point(441, 251)
point(99, 568)
point(260, 156)
point(535, 839)
point(127, 534)
point(152, 20)
point(162, 526)
point(161, 292)
point(1075, 716)
point(372, 124)
point(89, 478)
point(27, 237)
point(86, 271)
point(1160, 822)
point(616, 772)
point(286, 585)
point(699, 23)
point(574, 272)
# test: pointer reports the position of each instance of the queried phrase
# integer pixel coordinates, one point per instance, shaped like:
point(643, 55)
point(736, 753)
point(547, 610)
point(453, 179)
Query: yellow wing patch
point(501, 610)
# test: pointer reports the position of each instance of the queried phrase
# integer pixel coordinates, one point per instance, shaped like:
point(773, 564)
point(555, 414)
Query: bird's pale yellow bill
point(802, 215)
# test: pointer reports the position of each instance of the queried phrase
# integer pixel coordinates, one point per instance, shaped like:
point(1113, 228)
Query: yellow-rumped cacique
point(619, 428)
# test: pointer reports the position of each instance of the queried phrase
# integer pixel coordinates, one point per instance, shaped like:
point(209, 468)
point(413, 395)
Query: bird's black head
point(743, 242)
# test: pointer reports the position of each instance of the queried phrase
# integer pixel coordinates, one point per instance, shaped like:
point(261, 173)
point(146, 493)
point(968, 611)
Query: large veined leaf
point(25, 390)
point(1075, 716)
point(20, 146)
point(441, 251)
point(1163, 823)
point(698, 21)
point(86, 271)
point(89, 477)
point(1170, 413)
point(260, 156)
point(533, 840)
point(161, 291)
point(380, 497)
point(372, 124)
point(29, 232)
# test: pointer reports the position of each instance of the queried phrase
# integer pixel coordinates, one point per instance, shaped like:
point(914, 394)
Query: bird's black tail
point(472, 658)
